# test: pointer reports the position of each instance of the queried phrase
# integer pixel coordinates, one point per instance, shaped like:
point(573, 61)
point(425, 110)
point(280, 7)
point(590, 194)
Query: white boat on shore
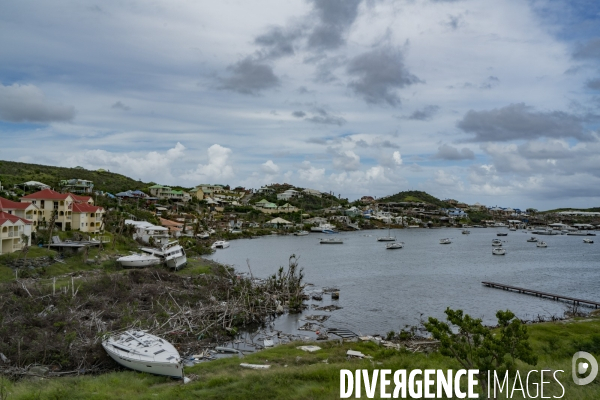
point(220, 244)
point(498, 251)
point(324, 228)
point(144, 352)
point(174, 255)
point(140, 260)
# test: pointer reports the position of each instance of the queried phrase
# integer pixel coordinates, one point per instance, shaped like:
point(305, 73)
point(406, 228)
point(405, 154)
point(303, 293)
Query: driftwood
point(59, 323)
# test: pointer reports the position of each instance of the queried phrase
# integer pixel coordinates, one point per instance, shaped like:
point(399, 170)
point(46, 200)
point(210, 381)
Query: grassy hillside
point(295, 374)
point(414, 196)
point(12, 173)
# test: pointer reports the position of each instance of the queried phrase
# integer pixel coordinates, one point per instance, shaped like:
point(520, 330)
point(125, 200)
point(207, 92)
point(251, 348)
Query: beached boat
point(144, 352)
point(174, 255)
point(220, 244)
point(139, 260)
point(331, 241)
point(498, 251)
point(324, 228)
point(394, 246)
point(445, 241)
point(541, 244)
point(532, 239)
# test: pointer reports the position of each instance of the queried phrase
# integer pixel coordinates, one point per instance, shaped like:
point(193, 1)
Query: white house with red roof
point(12, 229)
point(74, 211)
point(28, 211)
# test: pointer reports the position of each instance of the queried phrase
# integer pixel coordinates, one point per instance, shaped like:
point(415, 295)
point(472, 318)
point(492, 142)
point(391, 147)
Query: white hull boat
point(496, 242)
point(301, 233)
point(220, 244)
point(139, 260)
point(394, 246)
point(541, 244)
point(588, 241)
point(144, 352)
point(445, 241)
point(466, 232)
point(331, 241)
point(174, 255)
point(498, 251)
point(532, 239)
point(323, 227)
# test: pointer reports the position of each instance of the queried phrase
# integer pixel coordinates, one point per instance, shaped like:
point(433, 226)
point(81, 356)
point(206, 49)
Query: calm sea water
point(382, 290)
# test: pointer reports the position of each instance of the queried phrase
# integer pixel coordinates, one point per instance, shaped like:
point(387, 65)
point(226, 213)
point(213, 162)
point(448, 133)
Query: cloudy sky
point(487, 101)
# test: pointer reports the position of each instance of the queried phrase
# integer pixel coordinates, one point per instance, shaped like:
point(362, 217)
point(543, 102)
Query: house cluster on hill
point(65, 211)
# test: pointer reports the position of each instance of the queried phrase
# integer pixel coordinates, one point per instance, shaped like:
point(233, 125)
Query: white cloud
point(269, 168)
point(152, 166)
point(216, 170)
point(309, 173)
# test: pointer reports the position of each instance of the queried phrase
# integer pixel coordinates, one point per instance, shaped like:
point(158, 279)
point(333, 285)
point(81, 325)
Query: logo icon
point(582, 367)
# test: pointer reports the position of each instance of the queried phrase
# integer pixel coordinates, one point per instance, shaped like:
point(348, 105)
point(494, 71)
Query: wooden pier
point(537, 293)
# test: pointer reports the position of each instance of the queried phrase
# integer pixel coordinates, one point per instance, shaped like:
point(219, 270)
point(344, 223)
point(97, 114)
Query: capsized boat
point(144, 352)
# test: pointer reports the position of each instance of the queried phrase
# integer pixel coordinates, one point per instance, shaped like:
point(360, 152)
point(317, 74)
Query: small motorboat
point(144, 352)
point(496, 242)
point(498, 251)
point(445, 241)
point(220, 244)
point(466, 232)
point(301, 233)
point(395, 245)
point(501, 234)
point(541, 244)
point(331, 241)
point(588, 241)
point(139, 260)
point(532, 239)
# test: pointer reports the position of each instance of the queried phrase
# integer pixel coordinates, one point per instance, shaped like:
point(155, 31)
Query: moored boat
point(466, 232)
point(445, 241)
point(541, 244)
point(498, 251)
point(532, 239)
point(220, 244)
point(501, 234)
point(395, 245)
point(144, 352)
point(496, 242)
point(331, 241)
point(301, 233)
point(588, 241)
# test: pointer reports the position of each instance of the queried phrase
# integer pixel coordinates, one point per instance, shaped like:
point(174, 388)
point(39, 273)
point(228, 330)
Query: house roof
point(13, 219)
point(278, 220)
point(86, 208)
point(6, 204)
point(49, 194)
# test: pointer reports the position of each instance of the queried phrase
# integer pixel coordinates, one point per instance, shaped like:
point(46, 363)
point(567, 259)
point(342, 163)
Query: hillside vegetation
point(13, 173)
point(414, 196)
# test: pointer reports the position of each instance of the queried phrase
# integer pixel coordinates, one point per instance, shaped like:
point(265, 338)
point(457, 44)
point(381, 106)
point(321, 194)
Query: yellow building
point(27, 211)
point(72, 211)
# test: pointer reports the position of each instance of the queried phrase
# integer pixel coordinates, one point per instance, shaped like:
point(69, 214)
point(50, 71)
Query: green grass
point(296, 374)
